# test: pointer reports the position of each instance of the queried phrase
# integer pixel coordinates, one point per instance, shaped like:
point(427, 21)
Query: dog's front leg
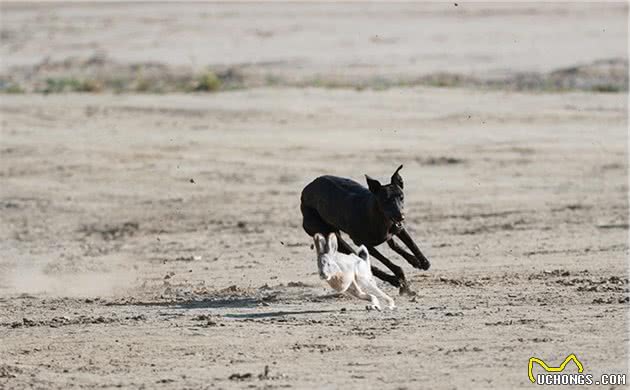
point(406, 239)
point(411, 259)
point(384, 276)
point(398, 272)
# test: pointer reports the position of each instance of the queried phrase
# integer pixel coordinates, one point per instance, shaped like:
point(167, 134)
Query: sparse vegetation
point(208, 82)
point(59, 85)
point(91, 86)
point(92, 76)
point(13, 88)
point(141, 85)
point(607, 88)
point(68, 84)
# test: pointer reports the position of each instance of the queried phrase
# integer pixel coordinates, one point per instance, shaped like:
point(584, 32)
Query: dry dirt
point(155, 241)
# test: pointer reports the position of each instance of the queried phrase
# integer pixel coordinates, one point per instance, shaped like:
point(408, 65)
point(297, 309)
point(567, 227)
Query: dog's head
point(390, 199)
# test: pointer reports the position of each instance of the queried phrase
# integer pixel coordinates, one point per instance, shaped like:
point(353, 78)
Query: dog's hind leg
point(344, 247)
point(313, 223)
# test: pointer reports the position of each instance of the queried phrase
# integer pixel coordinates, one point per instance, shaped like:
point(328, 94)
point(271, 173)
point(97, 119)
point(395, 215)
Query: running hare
point(349, 273)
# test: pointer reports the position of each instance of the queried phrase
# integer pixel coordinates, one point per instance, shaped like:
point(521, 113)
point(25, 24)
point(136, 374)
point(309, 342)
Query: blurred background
point(161, 48)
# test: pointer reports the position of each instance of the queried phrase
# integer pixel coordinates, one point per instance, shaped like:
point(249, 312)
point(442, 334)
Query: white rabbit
point(351, 273)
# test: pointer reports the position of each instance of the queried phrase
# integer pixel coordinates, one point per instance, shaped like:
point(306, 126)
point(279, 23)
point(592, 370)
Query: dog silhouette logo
point(547, 368)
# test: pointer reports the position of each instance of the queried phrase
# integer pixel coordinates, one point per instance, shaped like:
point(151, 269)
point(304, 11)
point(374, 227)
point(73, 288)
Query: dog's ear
point(320, 243)
point(332, 243)
point(373, 184)
point(363, 253)
point(397, 179)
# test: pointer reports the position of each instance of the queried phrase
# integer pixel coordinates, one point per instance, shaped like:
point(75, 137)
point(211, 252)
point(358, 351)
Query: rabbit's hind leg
point(390, 302)
point(367, 282)
point(356, 291)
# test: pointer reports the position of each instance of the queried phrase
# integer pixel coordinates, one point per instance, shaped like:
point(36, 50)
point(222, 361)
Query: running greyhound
point(370, 216)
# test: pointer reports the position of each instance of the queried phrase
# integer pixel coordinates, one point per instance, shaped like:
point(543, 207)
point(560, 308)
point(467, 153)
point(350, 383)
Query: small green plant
point(606, 88)
point(208, 82)
point(444, 80)
point(271, 79)
point(69, 84)
point(91, 86)
point(142, 85)
point(59, 85)
point(118, 85)
point(13, 88)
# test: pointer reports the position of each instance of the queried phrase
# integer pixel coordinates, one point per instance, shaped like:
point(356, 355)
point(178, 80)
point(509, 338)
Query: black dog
point(370, 217)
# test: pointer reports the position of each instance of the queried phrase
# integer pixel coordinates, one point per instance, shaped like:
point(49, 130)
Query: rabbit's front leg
point(340, 282)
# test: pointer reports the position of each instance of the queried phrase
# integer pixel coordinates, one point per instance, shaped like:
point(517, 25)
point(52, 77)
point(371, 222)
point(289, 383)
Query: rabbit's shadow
point(254, 303)
point(249, 302)
point(280, 313)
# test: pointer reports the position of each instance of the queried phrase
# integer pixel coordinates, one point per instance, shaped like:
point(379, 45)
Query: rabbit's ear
point(363, 253)
point(320, 243)
point(332, 243)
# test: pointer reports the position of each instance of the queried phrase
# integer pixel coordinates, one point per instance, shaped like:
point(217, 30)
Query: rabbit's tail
point(364, 254)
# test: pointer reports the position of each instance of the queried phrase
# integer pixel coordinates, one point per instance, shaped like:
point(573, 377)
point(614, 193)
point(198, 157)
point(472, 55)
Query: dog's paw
point(373, 307)
point(421, 265)
point(405, 290)
point(392, 306)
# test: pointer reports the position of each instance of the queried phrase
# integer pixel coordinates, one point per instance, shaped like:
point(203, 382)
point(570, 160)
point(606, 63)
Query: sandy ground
point(155, 241)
